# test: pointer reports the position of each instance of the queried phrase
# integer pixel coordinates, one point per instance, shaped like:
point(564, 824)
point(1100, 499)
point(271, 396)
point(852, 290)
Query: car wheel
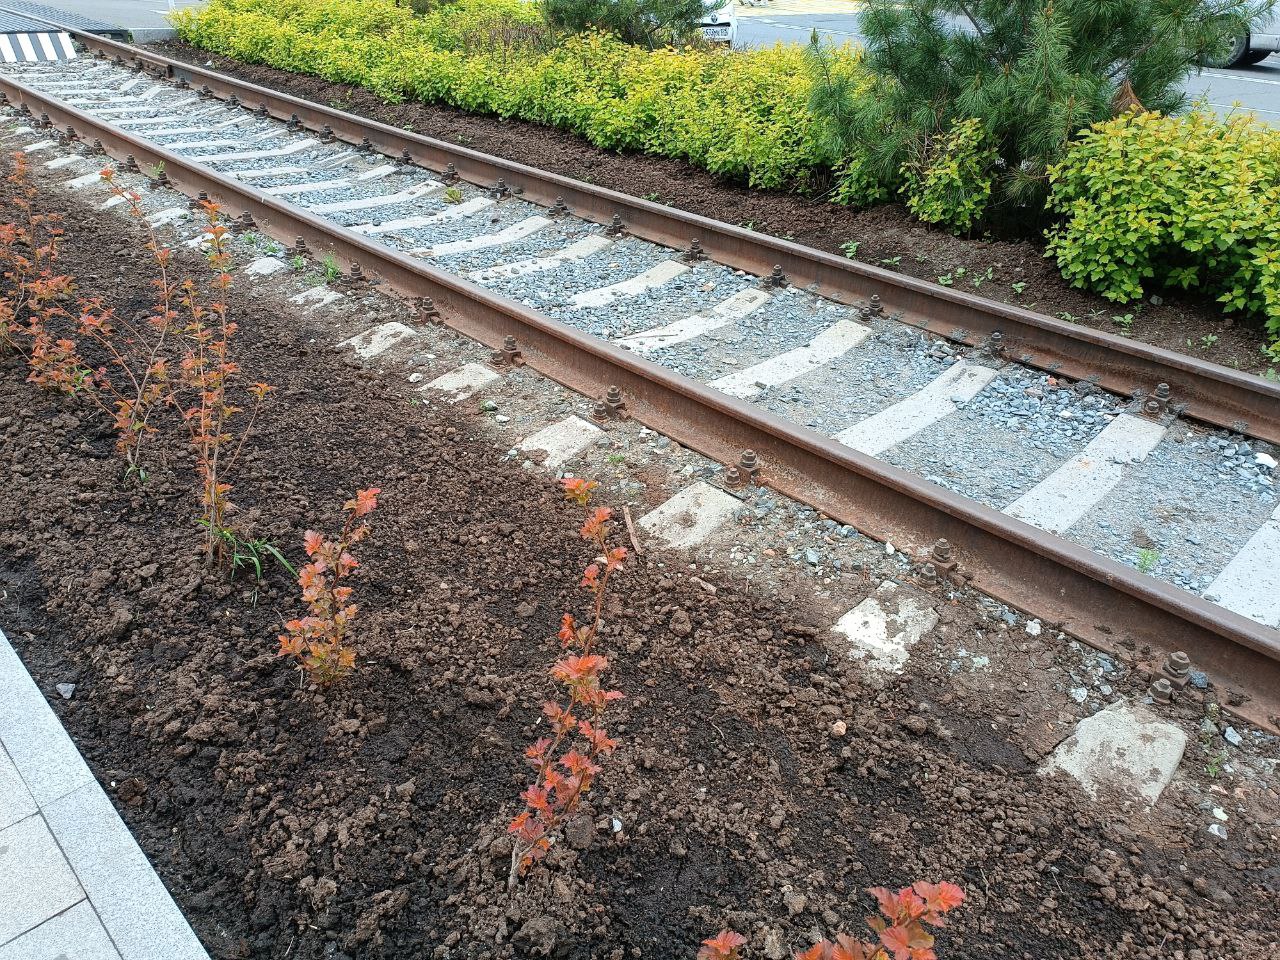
point(1256, 56)
point(1231, 53)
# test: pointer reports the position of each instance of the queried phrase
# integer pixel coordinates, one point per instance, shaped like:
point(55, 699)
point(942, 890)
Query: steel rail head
point(1214, 394)
point(1099, 600)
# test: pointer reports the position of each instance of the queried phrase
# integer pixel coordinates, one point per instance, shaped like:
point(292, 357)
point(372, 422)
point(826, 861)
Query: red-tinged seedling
point(567, 761)
point(900, 931)
point(320, 641)
point(725, 945)
point(28, 249)
point(206, 384)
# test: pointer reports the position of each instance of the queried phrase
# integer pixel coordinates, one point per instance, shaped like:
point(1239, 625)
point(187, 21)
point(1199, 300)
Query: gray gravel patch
point(1020, 428)
point(1185, 511)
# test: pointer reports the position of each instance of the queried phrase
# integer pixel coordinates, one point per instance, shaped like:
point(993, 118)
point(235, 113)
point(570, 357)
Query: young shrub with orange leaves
point(567, 761)
point(208, 379)
point(28, 249)
point(725, 945)
point(900, 932)
point(320, 640)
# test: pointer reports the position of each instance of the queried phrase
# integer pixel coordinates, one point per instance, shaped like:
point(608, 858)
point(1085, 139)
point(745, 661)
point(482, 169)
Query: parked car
point(720, 25)
point(1251, 47)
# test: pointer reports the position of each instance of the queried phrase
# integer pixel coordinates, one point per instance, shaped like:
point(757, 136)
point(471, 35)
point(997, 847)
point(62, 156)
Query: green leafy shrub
point(1180, 201)
point(740, 115)
point(950, 185)
point(647, 22)
point(1033, 72)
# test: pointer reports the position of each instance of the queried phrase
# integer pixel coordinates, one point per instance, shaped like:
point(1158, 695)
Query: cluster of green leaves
point(651, 23)
point(950, 185)
point(1033, 73)
point(739, 115)
point(1181, 201)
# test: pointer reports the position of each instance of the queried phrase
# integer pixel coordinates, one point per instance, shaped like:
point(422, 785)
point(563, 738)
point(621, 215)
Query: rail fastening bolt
point(1177, 669)
point(450, 173)
point(941, 552)
point(749, 464)
point(500, 188)
point(777, 278)
point(429, 310)
point(733, 477)
point(263, 111)
point(406, 156)
point(357, 274)
point(233, 101)
point(695, 251)
point(131, 164)
point(1161, 691)
point(97, 146)
point(615, 228)
point(71, 132)
point(294, 122)
point(300, 247)
point(366, 143)
point(326, 133)
point(205, 91)
point(875, 307)
point(600, 413)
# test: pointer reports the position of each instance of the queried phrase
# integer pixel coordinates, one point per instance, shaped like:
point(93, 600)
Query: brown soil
point(886, 235)
point(369, 822)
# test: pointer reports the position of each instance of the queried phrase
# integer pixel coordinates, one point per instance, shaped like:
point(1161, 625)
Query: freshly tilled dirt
point(370, 821)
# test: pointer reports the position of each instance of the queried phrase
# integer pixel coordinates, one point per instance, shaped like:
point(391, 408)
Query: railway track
point(1037, 450)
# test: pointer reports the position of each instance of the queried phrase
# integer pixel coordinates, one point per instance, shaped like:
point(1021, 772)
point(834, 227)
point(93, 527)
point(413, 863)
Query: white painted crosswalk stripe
point(562, 441)
point(958, 384)
point(578, 250)
point(655, 276)
point(833, 342)
point(691, 516)
point(517, 231)
point(727, 311)
point(1250, 584)
point(1071, 491)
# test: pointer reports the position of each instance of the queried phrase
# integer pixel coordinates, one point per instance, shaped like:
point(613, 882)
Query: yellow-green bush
point(951, 186)
point(740, 115)
point(1184, 201)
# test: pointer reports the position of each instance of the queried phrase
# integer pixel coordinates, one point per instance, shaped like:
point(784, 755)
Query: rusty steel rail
point(1090, 596)
point(1214, 394)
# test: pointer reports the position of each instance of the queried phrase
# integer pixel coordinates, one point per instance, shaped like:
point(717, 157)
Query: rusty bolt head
point(509, 344)
point(1178, 662)
point(929, 573)
point(733, 477)
point(429, 310)
point(1161, 691)
point(615, 228)
point(366, 143)
point(450, 173)
point(613, 395)
point(777, 278)
point(406, 156)
point(749, 463)
point(357, 274)
point(1162, 391)
point(300, 247)
point(941, 551)
point(600, 413)
point(131, 164)
point(875, 308)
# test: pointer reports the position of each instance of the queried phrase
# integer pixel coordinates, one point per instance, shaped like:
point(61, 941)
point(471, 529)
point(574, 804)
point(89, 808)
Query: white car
point(1252, 47)
point(720, 25)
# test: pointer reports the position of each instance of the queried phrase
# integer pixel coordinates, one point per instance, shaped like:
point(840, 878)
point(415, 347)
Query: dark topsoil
point(1180, 322)
point(369, 822)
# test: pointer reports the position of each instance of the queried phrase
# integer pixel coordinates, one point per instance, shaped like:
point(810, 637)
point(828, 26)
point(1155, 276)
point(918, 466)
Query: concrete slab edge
point(137, 910)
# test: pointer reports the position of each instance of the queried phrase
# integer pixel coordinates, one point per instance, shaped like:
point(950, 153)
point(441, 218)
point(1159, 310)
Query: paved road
point(1256, 88)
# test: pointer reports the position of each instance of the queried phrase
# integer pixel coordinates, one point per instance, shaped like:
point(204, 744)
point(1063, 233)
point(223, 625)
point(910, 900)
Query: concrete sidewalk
point(74, 884)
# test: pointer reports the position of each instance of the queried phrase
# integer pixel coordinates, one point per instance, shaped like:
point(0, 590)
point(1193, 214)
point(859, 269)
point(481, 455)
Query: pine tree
point(1032, 72)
